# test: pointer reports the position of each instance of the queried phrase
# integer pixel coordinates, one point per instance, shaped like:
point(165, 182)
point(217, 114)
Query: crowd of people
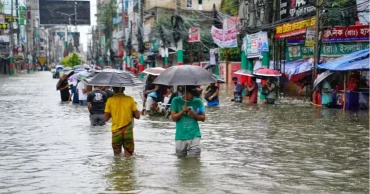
point(185, 106)
point(249, 92)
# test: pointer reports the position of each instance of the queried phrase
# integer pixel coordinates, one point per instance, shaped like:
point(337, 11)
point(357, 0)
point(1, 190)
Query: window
point(189, 3)
point(200, 2)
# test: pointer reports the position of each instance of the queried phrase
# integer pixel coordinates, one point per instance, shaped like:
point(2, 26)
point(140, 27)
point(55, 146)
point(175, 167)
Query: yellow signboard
point(42, 60)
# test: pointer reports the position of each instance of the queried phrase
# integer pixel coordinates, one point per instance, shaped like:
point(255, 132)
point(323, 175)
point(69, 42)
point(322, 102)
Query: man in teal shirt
point(186, 111)
point(326, 99)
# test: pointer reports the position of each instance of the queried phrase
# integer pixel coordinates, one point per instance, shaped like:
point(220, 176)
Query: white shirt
point(81, 95)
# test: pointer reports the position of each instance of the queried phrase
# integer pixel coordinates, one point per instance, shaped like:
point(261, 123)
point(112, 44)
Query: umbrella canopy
point(219, 79)
point(337, 63)
point(185, 75)
point(321, 77)
point(245, 72)
point(80, 75)
point(67, 69)
point(77, 67)
point(115, 78)
point(267, 73)
point(154, 70)
point(79, 70)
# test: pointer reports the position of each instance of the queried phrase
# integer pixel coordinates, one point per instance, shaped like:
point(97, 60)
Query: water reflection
point(121, 176)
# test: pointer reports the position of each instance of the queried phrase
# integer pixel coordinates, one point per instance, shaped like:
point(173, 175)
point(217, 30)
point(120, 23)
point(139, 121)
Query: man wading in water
point(186, 111)
point(122, 109)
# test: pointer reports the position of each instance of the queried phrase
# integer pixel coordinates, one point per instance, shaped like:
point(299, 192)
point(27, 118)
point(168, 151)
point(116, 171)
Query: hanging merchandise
point(212, 57)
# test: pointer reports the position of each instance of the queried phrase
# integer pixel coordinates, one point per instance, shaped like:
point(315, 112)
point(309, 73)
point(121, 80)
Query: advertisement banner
point(255, 44)
point(293, 28)
point(327, 50)
point(310, 36)
point(194, 34)
point(343, 34)
point(224, 38)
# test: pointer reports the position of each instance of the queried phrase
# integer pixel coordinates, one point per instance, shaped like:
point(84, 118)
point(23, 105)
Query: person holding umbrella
point(186, 111)
point(63, 87)
point(269, 90)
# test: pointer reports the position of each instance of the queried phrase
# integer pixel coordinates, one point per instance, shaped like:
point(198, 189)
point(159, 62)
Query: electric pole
point(11, 26)
point(317, 40)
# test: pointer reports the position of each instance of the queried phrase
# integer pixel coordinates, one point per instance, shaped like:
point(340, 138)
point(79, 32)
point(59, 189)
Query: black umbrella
point(115, 78)
point(185, 75)
point(321, 77)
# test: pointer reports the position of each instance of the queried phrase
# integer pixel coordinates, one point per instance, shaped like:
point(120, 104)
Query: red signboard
point(194, 34)
point(343, 34)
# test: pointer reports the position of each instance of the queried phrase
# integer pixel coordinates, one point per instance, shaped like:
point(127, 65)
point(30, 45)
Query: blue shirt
point(326, 97)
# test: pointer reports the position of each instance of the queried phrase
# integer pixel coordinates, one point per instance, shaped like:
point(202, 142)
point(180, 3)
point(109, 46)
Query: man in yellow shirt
point(122, 109)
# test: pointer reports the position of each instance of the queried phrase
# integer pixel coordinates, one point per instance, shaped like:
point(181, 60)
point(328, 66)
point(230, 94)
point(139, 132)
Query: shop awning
point(358, 65)
point(297, 67)
point(353, 61)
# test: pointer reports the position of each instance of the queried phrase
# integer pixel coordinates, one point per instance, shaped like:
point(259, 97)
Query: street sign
point(3, 26)
point(194, 34)
point(42, 60)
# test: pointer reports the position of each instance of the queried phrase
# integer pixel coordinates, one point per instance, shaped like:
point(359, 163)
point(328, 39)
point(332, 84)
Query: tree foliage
point(71, 60)
point(107, 13)
point(229, 7)
point(234, 54)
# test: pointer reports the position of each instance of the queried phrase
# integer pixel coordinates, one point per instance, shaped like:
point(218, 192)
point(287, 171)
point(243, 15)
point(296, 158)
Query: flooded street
point(49, 147)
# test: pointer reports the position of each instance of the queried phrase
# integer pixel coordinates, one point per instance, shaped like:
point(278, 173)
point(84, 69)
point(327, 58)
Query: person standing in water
point(122, 109)
point(186, 111)
point(95, 104)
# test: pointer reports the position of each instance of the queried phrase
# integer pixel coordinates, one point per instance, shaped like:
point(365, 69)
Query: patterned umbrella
point(267, 72)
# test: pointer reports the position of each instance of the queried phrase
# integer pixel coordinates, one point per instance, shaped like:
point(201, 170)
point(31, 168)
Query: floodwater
point(48, 147)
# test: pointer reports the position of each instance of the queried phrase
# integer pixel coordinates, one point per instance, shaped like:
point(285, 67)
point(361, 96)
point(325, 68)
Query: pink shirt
point(254, 93)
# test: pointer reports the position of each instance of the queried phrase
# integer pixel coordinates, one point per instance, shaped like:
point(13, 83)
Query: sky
point(85, 29)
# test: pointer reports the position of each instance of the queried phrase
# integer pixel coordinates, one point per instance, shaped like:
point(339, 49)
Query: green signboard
point(327, 50)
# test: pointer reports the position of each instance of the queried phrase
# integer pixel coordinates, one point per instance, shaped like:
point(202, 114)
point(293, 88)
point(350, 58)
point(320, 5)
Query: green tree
point(72, 60)
point(107, 13)
point(229, 7)
point(234, 54)
point(65, 62)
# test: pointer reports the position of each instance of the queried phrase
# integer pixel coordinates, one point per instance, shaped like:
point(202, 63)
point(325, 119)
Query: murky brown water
point(49, 147)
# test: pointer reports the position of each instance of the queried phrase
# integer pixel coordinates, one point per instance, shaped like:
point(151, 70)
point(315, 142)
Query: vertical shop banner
point(255, 44)
point(194, 34)
point(224, 38)
point(310, 36)
point(154, 46)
